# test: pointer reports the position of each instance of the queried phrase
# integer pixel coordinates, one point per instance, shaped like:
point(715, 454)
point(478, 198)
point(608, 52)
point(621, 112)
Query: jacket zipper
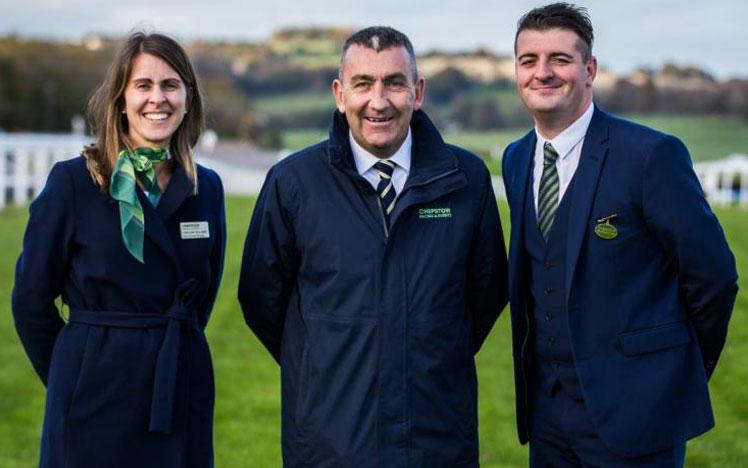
point(388, 229)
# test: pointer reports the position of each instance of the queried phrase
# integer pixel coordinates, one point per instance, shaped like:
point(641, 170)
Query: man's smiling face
point(378, 94)
point(553, 78)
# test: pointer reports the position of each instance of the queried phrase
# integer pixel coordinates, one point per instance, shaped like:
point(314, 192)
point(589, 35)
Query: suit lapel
point(587, 176)
point(520, 182)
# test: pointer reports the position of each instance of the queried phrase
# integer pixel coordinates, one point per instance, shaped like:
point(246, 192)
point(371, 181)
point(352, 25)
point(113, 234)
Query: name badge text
point(194, 230)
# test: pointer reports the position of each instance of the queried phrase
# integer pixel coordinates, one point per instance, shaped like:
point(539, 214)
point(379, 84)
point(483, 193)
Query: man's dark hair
point(563, 16)
point(380, 38)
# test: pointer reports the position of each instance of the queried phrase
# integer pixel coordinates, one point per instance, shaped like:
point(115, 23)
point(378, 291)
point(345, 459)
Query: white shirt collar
point(573, 134)
point(365, 160)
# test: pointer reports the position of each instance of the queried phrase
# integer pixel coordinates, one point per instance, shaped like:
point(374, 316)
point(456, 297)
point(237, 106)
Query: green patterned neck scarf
point(131, 165)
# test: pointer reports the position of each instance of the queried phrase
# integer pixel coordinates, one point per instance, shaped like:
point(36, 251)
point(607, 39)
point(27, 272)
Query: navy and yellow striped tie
point(385, 189)
point(548, 192)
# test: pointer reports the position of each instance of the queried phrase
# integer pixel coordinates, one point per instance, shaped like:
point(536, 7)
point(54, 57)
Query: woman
point(131, 235)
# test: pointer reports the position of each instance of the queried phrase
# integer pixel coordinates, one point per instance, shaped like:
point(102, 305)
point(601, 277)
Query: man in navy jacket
point(373, 270)
point(621, 281)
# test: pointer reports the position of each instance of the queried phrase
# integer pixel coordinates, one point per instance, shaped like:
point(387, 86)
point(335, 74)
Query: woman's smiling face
point(155, 101)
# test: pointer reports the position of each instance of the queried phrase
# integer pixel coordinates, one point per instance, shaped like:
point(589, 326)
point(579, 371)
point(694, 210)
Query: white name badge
point(194, 230)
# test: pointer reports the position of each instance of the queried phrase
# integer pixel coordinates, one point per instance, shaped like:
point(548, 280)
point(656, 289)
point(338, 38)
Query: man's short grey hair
point(380, 38)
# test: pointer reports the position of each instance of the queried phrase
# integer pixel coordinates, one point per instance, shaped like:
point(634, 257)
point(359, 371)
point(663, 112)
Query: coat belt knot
point(167, 360)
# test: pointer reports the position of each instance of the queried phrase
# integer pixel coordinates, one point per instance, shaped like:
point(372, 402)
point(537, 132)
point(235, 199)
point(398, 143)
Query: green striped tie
point(548, 192)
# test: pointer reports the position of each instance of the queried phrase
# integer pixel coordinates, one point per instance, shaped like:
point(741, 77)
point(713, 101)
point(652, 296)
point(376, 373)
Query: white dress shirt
point(568, 145)
point(365, 163)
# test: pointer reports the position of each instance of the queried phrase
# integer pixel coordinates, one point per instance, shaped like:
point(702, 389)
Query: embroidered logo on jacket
point(433, 213)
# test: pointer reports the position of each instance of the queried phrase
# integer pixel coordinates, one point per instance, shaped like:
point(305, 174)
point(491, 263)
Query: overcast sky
point(628, 33)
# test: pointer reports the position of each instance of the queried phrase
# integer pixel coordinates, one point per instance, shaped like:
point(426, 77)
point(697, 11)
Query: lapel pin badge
point(604, 229)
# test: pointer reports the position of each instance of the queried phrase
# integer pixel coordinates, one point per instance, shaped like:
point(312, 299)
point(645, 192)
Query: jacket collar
point(434, 169)
point(430, 157)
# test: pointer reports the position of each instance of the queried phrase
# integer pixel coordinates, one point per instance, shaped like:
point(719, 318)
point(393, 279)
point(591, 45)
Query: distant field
point(247, 418)
point(294, 103)
point(707, 137)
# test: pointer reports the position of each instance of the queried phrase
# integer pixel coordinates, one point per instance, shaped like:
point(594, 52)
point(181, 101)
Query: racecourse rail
point(26, 158)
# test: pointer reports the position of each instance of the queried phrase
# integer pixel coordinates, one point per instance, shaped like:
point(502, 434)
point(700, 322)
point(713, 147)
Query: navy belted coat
point(129, 377)
point(375, 327)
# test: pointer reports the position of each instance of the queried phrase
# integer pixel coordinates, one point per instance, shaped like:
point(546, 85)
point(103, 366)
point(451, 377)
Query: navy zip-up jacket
point(375, 328)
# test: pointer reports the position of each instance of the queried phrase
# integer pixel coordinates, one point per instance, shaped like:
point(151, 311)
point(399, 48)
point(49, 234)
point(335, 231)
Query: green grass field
point(247, 426)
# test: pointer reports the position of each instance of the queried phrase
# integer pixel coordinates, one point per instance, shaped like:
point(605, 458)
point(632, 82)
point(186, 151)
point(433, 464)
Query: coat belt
point(165, 375)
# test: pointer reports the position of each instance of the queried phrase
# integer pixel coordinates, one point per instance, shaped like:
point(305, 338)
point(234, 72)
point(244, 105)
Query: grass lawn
point(247, 427)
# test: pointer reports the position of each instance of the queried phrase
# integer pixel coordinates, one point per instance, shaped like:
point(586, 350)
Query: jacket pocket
point(654, 339)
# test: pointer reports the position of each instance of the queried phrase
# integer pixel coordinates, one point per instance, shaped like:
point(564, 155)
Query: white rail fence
point(725, 181)
point(25, 161)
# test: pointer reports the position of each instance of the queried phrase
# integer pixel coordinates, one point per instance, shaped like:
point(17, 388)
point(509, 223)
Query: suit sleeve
point(678, 214)
point(42, 269)
point(269, 264)
point(217, 254)
point(487, 268)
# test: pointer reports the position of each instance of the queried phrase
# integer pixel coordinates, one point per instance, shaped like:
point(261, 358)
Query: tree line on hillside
point(44, 84)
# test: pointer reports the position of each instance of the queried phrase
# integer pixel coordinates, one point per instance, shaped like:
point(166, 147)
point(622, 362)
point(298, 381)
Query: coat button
point(548, 317)
point(548, 291)
point(547, 265)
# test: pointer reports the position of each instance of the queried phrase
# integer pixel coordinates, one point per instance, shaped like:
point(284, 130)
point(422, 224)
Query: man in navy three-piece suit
point(621, 281)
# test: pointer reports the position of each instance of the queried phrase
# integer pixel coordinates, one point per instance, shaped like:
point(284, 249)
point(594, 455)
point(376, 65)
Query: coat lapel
point(520, 181)
point(180, 187)
point(587, 176)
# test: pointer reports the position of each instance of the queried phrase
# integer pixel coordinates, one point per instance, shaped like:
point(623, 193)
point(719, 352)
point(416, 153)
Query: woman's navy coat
point(375, 329)
point(129, 377)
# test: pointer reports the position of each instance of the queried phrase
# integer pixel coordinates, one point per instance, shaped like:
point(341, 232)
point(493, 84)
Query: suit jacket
point(648, 309)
